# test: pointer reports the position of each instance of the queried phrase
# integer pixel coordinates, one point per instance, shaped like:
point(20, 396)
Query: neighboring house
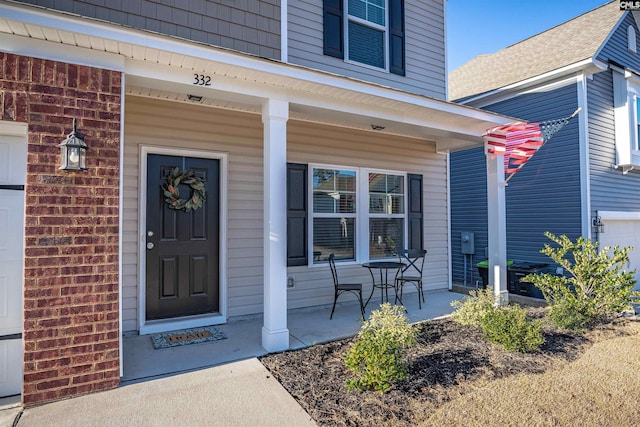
point(317, 127)
point(589, 170)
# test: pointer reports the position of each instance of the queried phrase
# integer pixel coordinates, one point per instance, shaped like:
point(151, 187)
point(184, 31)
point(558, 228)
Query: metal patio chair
point(340, 288)
point(413, 260)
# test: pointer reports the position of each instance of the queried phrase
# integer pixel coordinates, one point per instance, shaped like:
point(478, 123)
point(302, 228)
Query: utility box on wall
point(466, 242)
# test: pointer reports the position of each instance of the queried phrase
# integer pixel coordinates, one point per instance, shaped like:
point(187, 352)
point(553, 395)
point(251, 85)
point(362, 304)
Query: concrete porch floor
point(307, 326)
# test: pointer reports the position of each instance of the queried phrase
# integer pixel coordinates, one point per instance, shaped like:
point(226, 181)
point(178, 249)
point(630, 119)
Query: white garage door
point(13, 161)
point(623, 229)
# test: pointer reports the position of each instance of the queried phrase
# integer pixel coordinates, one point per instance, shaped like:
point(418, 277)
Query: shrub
point(505, 325)
point(510, 327)
point(472, 309)
point(378, 357)
point(597, 287)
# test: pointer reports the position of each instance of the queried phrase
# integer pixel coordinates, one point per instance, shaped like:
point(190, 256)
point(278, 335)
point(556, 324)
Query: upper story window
point(626, 99)
point(631, 39)
point(635, 144)
point(368, 32)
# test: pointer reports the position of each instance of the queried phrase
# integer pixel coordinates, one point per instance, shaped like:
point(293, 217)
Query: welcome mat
point(186, 337)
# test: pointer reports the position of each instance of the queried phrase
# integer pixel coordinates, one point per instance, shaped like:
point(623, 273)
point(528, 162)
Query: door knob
point(150, 245)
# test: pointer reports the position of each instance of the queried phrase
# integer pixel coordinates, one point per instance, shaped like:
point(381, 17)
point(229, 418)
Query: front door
point(182, 255)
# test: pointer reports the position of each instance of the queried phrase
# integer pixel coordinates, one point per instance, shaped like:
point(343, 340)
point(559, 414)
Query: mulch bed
point(449, 361)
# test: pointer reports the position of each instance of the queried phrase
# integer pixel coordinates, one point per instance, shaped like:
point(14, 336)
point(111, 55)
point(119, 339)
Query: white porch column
point(497, 225)
point(275, 335)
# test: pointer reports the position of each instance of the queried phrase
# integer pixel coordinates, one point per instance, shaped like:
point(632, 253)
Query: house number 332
point(201, 80)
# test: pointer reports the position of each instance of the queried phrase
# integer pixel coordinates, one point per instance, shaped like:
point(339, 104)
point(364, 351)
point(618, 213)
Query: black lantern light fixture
point(73, 151)
point(597, 225)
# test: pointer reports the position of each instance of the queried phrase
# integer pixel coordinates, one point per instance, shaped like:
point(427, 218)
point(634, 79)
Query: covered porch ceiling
point(163, 67)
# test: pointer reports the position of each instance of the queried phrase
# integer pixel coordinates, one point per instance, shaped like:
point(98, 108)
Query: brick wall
point(71, 231)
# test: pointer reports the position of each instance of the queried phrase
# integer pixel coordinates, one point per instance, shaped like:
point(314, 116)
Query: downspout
point(284, 31)
point(585, 180)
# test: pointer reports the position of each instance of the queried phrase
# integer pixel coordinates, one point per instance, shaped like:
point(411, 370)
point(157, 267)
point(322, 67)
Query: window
point(631, 39)
point(386, 214)
point(635, 145)
point(334, 213)
point(348, 203)
point(373, 31)
point(626, 96)
point(366, 32)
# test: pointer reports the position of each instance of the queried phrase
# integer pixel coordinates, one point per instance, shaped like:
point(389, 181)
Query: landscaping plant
point(378, 357)
point(509, 326)
point(501, 324)
point(597, 288)
point(472, 309)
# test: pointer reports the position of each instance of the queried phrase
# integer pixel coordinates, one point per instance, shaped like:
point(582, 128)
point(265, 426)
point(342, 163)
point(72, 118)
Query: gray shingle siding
point(221, 23)
point(543, 196)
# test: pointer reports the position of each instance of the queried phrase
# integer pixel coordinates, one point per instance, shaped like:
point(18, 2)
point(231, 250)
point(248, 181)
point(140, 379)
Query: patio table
point(383, 267)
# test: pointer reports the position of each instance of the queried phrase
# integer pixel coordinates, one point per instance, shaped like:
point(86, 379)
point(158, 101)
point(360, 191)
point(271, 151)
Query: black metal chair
point(413, 260)
point(340, 288)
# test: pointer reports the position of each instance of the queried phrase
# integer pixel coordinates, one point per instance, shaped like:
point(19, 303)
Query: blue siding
point(543, 196)
point(610, 189)
point(615, 49)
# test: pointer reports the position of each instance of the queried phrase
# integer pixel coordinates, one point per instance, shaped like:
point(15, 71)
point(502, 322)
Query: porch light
point(73, 151)
point(597, 225)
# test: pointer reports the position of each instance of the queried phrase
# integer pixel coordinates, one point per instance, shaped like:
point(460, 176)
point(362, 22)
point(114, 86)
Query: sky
point(476, 27)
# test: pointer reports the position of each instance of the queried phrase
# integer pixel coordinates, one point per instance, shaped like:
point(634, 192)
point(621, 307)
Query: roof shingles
point(560, 46)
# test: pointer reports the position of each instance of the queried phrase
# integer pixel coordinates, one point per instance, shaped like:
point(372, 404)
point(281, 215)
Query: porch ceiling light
point(73, 151)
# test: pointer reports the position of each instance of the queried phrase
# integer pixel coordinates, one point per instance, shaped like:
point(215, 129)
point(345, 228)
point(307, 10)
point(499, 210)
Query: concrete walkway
point(237, 391)
point(241, 393)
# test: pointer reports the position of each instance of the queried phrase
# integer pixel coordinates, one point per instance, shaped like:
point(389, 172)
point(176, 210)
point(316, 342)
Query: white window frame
point(383, 28)
point(626, 92)
point(361, 215)
point(365, 223)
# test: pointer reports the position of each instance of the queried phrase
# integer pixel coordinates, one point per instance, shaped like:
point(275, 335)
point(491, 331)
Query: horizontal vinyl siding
point(161, 123)
point(611, 190)
point(424, 47)
point(312, 143)
point(543, 196)
point(616, 47)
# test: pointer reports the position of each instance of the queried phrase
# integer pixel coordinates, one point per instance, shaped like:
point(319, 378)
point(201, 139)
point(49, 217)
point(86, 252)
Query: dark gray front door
point(182, 252)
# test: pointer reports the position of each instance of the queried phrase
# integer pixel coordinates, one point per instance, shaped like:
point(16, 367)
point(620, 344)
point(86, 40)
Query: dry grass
point(601, 388)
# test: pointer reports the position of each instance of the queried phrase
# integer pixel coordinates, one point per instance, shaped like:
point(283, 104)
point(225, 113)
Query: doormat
point(186, 337)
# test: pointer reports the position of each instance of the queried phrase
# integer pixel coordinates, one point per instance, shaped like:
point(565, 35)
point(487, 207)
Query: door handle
point(150, 245)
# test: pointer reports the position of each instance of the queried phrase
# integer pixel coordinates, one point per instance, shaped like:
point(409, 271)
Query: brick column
point(70, 328)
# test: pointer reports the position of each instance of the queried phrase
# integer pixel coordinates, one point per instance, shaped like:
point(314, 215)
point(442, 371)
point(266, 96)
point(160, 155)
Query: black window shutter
point(333, 28)
point(296, 214)
point(396, 37)
point(416, 223)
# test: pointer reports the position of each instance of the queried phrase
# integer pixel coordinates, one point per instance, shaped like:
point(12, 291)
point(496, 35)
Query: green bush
point(509, 326)
point(501, 324)
point(378, 357)
point(597, 288)
point(472, 309)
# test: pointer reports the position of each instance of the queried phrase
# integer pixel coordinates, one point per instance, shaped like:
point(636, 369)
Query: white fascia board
point(587, 66)
point(62, 22)
point(44, 49)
